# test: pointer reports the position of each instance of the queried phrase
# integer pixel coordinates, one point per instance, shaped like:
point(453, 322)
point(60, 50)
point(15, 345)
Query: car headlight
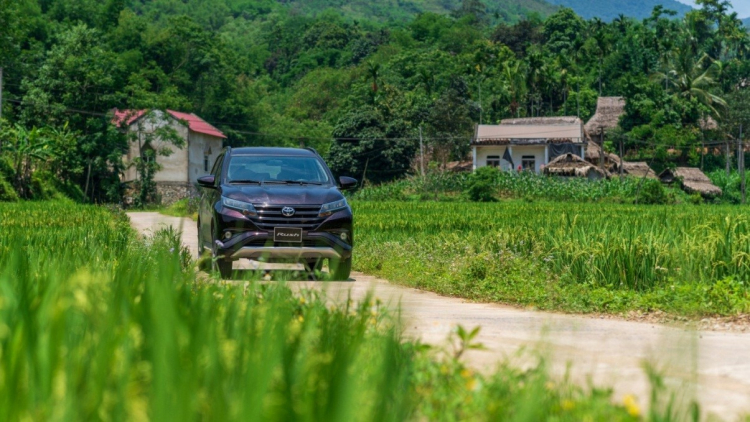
point(246, 207)
point(332, 207)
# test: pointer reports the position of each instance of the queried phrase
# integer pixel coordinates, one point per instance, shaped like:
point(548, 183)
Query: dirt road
point(713, 367)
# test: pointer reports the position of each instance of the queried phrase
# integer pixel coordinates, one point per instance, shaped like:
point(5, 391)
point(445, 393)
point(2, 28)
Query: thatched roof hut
point(571, 165)
point(608, 113)
point(459, 166)
point(543, 121)
point(593, 156)
point(638, 169)
point(692, 180)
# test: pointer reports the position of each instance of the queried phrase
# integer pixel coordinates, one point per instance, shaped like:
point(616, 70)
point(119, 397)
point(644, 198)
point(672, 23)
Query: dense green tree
point(352, 83)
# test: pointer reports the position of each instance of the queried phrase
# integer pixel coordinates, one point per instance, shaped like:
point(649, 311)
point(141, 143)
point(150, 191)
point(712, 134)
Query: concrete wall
point(174, 166)
point(170, 192)
point(202, 145)
point(517, 153)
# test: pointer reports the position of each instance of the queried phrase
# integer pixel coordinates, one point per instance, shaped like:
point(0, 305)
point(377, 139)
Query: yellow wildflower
point(568, 404)
point(631, 405)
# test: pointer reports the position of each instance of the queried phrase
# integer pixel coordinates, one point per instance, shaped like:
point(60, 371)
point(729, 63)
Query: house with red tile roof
point(183, 166)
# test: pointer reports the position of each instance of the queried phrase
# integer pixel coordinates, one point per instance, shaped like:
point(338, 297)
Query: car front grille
point(269, 216)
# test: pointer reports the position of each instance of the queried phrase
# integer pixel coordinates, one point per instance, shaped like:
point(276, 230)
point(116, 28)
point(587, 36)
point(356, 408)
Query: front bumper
point(259, 245)
point(286, 252)
point(252, 242)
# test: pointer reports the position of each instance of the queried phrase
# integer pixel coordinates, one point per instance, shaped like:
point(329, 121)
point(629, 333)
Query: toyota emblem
point(287, 211)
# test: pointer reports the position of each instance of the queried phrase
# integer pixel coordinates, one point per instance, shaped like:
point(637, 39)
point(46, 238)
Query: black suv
point(275, 205)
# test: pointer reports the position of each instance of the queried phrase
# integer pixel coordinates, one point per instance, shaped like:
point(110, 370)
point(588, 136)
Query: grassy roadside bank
point(686, 260)
point(97, 324)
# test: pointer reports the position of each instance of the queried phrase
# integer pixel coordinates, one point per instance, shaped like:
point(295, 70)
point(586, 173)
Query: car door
point(208, 199)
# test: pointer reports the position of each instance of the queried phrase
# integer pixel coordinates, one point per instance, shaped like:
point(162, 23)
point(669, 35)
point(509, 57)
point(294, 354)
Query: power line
point(507, 136)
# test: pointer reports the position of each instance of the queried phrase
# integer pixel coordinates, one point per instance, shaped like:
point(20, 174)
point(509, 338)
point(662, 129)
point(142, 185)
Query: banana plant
point(28, 149)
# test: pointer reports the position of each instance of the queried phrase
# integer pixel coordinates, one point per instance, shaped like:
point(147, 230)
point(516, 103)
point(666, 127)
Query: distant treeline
point(356, 89)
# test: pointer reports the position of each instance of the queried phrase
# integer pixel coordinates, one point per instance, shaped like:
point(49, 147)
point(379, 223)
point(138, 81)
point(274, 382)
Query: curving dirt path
point(713, 367)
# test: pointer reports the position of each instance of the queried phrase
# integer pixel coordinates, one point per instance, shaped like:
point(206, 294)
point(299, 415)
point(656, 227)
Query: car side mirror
point(347, 182)
point(207, 181)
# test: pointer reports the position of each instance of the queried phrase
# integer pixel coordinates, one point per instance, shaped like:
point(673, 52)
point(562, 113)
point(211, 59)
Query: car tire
point(340, 268)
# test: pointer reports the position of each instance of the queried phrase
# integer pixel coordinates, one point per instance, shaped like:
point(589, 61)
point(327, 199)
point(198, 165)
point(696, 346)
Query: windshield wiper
point(291, 182)
point(245, 182)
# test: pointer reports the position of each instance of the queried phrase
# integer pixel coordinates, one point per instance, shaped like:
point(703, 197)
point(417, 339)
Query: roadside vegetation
point(488, 184)
point(95, 321)
point(187, 207)
point(686, 260)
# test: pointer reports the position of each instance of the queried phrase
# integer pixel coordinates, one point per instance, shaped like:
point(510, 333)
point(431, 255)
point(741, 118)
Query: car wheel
point(340, 268)
point(218, 264)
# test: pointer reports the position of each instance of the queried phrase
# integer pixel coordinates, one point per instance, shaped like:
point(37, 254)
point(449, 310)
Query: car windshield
point(276, 169)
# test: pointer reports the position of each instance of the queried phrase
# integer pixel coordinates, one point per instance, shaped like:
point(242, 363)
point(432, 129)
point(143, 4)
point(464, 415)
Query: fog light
point(344, 236)
point(227, 235)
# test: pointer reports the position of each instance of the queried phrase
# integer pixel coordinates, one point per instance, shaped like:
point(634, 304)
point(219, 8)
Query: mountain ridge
point(403, 10)
point(609, 10)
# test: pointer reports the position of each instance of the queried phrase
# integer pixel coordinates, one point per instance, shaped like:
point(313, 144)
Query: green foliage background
point(356, 80)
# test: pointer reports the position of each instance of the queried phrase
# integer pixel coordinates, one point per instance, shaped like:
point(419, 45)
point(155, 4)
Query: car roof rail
point(313, 150)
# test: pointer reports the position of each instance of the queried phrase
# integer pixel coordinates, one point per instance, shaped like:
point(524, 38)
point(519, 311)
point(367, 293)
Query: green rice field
point(686, 259)
point(99, 325)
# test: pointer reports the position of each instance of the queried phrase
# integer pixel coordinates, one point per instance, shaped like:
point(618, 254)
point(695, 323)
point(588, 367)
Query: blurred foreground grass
point(96, 324)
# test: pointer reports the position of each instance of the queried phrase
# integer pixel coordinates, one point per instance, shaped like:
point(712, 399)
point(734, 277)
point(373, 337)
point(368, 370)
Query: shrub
point(481, 185)
point(7, 193)
point(45, 185)
point(653, 192)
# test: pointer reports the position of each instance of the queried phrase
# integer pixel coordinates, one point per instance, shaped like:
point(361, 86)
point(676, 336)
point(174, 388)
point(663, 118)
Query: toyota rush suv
point(275, 205)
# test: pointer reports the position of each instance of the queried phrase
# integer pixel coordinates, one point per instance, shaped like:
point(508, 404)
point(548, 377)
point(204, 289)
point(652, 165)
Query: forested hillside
point(611, 9)
point(405, 10)
point(267, 74)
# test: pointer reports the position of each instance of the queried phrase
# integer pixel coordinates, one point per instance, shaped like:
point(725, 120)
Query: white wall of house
point(517, 153)
point(174, 166)
point(202, 147)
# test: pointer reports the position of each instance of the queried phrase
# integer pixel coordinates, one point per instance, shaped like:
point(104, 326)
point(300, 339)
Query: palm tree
point(373, 71)
point(690, 78)
point(427, 79)
point(513, 76)
point(535, 77)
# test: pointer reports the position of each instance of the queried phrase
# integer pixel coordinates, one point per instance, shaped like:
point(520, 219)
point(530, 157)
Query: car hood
point(282, 194)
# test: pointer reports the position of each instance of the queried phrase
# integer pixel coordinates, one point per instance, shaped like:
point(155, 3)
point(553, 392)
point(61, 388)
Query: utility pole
point(1, 93)
point(621, 158)
point(1, 102)
point(421, 151)
point(601, 147)
point(741, 165)
point(480, 105)
point(728, 158)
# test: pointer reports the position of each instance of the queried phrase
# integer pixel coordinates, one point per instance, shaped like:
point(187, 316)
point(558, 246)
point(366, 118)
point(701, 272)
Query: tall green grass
point(688, 259)
point(96, 324)
point(446, 186)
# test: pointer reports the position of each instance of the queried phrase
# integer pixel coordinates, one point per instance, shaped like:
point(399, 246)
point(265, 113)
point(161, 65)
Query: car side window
point(216, 171)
